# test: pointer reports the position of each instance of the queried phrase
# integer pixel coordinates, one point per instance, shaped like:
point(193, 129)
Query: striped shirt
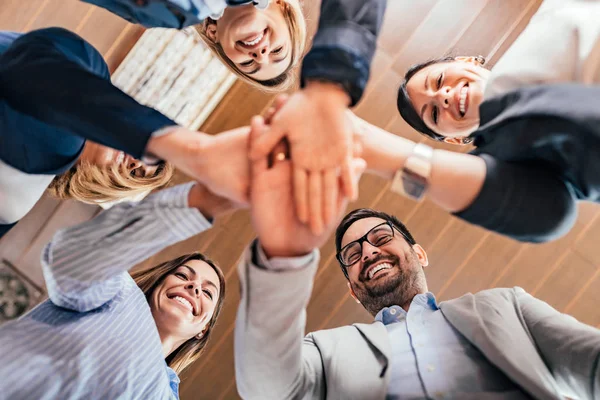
point(95, 337)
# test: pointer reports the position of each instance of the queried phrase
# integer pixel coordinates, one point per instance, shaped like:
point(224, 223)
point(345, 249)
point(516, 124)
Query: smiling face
point(391, 274)
point(447, 96)
point(257, 41)
point(184, 302)
point(102, 156)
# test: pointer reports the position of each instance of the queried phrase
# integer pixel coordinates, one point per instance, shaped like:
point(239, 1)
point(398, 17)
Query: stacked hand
point(280, 231)
point(320, 137)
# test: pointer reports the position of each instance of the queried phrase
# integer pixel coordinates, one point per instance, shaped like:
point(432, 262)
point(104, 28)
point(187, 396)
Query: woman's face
point(447, 96)
point(184, 302)
point(257, 41)
point(96, 154)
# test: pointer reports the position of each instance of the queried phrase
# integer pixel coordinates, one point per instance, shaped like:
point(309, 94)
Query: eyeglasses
point(379, 235)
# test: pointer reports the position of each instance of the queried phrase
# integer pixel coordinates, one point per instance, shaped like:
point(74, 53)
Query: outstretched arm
point(276, 275)
point(526, 203)
point(84, 265)
point(59, 79)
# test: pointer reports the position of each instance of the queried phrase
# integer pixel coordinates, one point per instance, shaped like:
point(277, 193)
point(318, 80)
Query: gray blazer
point(548, 354)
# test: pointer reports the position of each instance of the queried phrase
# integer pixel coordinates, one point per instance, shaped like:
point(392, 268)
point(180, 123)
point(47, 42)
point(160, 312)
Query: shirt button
point(430, 368)
point(393, 311)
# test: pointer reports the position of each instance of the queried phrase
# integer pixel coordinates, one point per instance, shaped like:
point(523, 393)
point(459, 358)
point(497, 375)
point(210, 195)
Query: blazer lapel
point(377, 336)
point(491, 324)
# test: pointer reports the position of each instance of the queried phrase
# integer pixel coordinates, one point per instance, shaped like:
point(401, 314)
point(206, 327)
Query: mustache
point(392, 259)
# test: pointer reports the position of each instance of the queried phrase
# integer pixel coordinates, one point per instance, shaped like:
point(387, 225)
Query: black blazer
point(541, 145)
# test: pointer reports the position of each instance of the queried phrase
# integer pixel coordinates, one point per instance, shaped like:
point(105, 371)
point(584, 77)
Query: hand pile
point(297, 167)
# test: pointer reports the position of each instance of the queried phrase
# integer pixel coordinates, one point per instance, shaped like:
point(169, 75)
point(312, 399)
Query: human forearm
point(271, 360)
point(219, 162)
point(456, 178)
point(59, 79)
point(82, 263)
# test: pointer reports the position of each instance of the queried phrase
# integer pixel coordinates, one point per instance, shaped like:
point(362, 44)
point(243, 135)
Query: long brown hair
point(147, 280)
point(292, 12)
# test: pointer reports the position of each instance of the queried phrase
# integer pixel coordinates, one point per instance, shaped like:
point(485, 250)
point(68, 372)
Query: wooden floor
point(463, 258)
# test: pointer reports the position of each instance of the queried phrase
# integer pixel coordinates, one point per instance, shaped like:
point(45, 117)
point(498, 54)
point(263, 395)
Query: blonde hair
point(149, 279)
point(293, 15)
point(95, 184)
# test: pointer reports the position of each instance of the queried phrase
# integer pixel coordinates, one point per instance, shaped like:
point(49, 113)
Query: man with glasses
point(495, 344)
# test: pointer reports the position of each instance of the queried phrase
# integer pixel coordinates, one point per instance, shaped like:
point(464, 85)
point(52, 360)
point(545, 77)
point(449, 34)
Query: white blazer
point(560, 44)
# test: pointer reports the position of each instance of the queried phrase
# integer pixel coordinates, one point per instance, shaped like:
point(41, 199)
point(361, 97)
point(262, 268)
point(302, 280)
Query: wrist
point(283, 252)
point(209, 204)
point(334, 91)
point(179, 145)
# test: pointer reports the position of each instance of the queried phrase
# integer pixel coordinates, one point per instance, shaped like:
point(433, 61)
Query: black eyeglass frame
point(362, 239)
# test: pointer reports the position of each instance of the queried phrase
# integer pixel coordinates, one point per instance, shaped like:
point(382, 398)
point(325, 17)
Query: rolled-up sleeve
point(344, 46)
point(525, 202)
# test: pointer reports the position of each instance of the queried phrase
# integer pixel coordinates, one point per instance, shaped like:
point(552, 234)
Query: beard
point(405, 280)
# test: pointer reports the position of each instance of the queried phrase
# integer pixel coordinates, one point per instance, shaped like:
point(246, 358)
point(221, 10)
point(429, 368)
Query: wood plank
point(439, 32)
point(587, 242)
point(586, 307)
point(19, 238)
point(480, 270)
point(402, 18)
point(64, 13)
point(17, 15)
point(102, 28)
point(450, 251)
point(571, 273)
point(532, 264)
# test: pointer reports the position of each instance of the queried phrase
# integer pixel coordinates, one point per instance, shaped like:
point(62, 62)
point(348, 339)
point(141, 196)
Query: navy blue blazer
point(56, 93)
point(341, 52)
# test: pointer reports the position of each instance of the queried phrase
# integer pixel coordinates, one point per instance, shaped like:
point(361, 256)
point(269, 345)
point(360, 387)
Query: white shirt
point(19, 192)
point(560, 44)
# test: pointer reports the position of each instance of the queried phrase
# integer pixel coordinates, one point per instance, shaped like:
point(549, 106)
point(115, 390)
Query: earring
point(467, 140)
point(480, 59)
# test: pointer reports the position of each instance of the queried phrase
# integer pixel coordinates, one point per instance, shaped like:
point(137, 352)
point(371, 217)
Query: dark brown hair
point(147, 280)
point(405, 107)
point(362, 213)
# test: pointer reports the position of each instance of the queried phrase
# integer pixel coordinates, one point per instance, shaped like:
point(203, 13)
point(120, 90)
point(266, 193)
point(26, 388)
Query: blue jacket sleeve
point(158, 13)
point(59, 79)
point(345, 43)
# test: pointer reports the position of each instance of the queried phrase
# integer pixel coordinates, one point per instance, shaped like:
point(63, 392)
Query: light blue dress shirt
point(432, 360)
point(95, 338)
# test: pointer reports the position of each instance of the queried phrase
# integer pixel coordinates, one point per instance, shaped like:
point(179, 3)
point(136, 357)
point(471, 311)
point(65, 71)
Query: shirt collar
point(395, 313)
point(173, 381)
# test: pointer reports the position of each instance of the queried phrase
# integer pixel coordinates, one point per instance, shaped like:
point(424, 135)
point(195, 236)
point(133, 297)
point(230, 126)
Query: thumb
point(264, 143)
point(257, 128)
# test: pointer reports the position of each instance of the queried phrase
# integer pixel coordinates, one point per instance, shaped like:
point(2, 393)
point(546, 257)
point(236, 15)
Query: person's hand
point(320, 136)
point(280, 232)
point(210, 204)
point(219, 162)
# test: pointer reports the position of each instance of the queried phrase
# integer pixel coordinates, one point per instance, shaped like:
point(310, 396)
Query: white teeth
point(185, 302)
point(463, 99)
point(379, 268)
point(255, 41)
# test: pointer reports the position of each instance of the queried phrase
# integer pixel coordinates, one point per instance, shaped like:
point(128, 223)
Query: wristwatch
point(413, 178)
